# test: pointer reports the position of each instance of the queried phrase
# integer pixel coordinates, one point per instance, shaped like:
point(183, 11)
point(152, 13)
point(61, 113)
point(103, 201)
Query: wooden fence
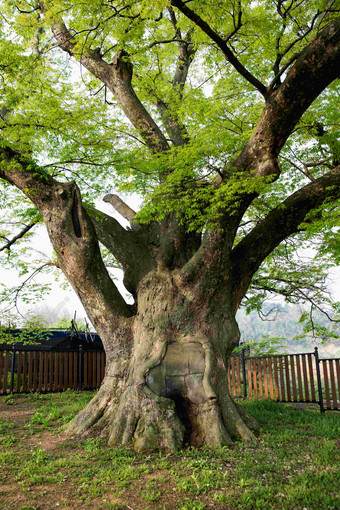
point(284, 378)
point(29, 368)
point(287, 378)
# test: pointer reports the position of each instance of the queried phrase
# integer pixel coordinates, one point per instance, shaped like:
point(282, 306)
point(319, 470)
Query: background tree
point(190, 104)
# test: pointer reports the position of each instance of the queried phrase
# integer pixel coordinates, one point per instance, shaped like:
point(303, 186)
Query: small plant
point(40, 455)
point(39, 419)
point(8, 440)
point(9, 400)
point(192, 505)
point(265, 347)
point(151, 495)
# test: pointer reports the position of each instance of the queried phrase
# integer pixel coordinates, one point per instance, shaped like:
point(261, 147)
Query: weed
point(40, 456)
point(151, 495)
point(9, 400)
point(8, 440)
point(192, 505)
point(5, 426)
point(39, 419)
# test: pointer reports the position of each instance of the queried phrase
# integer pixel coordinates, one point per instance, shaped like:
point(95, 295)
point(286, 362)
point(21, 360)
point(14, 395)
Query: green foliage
point(265, 346)
point(68, 117)
point(65, 324)
point(287, 328)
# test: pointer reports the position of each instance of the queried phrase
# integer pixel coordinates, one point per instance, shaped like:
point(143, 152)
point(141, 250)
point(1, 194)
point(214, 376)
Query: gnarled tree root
point(148, 421)
point(151, 422)
point(86, 419)
point(239, 423)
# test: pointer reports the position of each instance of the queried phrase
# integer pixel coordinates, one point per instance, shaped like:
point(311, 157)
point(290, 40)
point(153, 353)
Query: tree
point(223, 116)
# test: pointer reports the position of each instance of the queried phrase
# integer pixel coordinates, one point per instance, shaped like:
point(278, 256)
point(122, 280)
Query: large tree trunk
point(172, 388)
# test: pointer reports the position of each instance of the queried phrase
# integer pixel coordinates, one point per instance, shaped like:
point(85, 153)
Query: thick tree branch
point(74, 240)
point(175, 129)
point(117, 77)
point(120, 206)
point(280, 223)
point(186, 51)
point(130, 248)
point(316, 67)
point(221, 43)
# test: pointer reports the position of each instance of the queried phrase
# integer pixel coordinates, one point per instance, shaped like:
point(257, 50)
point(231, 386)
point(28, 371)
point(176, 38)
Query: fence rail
point(285, 378)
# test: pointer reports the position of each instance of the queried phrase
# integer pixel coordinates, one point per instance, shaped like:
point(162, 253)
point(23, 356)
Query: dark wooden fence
point(284, 378)
point(24, 369)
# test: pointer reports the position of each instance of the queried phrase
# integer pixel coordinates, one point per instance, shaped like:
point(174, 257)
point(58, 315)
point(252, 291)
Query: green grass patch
point(293, 464)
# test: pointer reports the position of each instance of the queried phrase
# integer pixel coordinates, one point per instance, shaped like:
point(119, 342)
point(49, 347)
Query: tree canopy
point(200, 73)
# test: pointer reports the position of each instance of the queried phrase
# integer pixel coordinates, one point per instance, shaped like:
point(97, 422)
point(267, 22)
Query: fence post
point(244, 373)
point(12, 369)
point(80, 364)
point(318, 376)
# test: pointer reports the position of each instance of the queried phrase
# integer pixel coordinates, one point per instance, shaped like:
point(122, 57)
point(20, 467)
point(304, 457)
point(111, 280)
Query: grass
point(293, 465)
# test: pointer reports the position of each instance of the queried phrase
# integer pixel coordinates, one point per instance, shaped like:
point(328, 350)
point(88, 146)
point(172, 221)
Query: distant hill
point(283, 322)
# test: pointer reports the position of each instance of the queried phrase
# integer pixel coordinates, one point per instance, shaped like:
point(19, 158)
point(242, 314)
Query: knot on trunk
point(268, 165)
point(123, 64)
